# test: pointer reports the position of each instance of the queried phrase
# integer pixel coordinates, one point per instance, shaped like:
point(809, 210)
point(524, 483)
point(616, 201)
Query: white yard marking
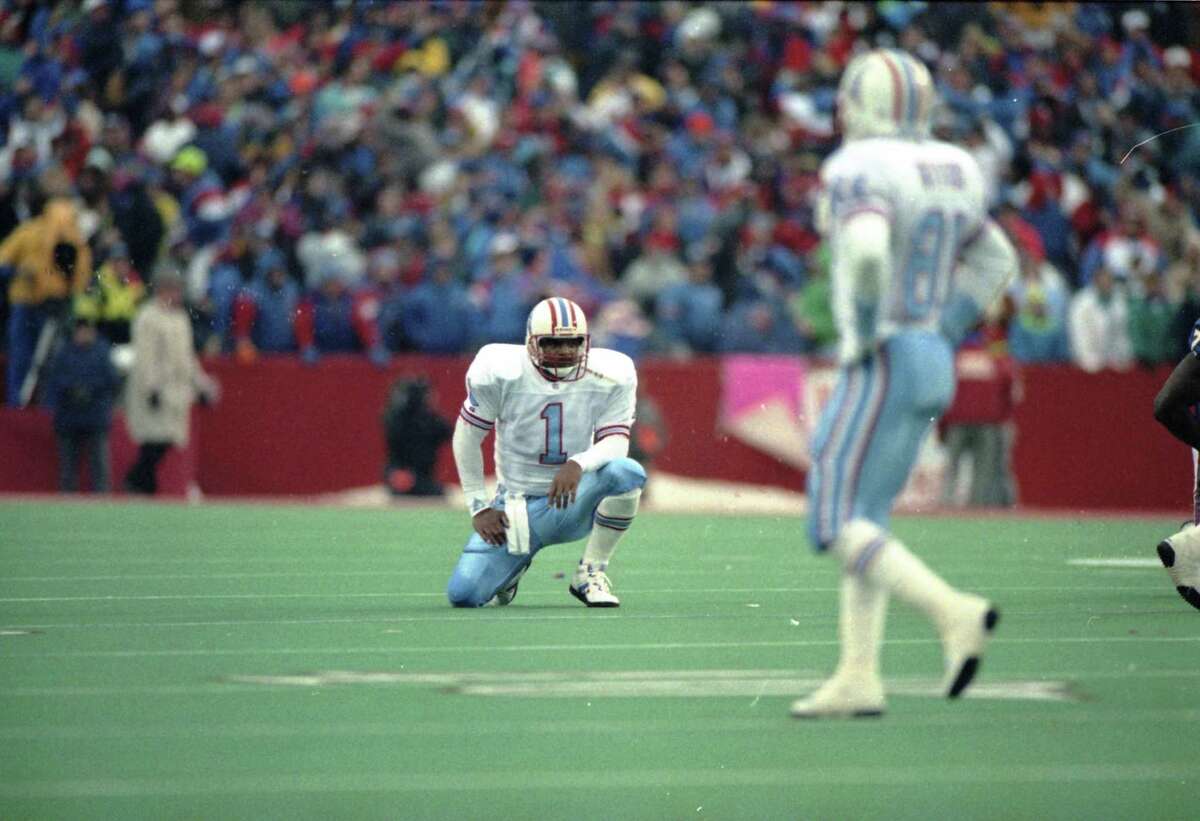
point(400, 648)
point(652, 683)
point(1139, 563)
point(680, 725)
point(493, 780)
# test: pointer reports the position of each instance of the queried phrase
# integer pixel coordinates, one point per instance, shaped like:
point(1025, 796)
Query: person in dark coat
point(81, 389)
point(414, 433)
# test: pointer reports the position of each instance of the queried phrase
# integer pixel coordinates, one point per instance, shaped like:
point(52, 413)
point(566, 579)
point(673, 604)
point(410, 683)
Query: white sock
point(614, 515)
point(860, 626)
point(882, 560)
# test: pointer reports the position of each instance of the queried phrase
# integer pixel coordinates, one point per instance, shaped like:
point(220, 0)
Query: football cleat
point(1179, 555)
point(593, 589)
point(843, 696)
point(505, 596)
point(963, 638)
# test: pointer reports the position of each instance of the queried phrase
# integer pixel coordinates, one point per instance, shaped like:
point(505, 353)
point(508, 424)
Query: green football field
point(221, 662)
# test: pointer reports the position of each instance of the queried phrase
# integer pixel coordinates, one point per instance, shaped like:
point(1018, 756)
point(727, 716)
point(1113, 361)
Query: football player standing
point(915, 261)
point(562, 414)
point(1175, 409)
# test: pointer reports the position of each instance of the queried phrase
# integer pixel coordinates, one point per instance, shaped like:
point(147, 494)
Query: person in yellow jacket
point(42, 280)
point(111, 299)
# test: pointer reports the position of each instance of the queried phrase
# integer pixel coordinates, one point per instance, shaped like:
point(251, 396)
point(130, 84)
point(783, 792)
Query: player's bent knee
point(625, 474)
point(855, 540)
point(465, 592)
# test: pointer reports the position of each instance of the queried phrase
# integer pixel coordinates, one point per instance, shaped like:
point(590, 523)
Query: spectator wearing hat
point(80, 389)
point(164, 380)
point(201, 197)
point(265, 311)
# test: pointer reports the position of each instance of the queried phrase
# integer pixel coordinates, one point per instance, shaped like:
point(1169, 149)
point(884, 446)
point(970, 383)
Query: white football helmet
point(885, 93)
point(558, 318)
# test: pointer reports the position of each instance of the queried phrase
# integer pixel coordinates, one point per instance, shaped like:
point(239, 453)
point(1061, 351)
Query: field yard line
point(598, 725)
point(575, 647)
point(1121, 563)
point(547, 779)
point(439, 594)
point(228, 688)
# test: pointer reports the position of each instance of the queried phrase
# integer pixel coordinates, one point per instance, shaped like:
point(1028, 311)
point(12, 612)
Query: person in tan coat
point(164, 380)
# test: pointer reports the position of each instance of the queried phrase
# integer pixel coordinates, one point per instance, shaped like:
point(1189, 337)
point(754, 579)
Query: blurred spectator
point(508, 293)
point(264, 312)
point(1127, 251)
point(437, 315)
point(164, 380)
point(81, 386)
point(1038, 329)
point(609, 138)
point(983, 436)
point(1098, 323)
point(812, 308)
point(658, 267)
point(758, 326)
point(111, 298)
point(334, 319)
point(1150, 323)
point(689, 313)
point(39, 285)
point(414, 434)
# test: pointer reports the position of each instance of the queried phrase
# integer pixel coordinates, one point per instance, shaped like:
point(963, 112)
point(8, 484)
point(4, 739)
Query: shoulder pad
point(497, 363)
point(611, 365)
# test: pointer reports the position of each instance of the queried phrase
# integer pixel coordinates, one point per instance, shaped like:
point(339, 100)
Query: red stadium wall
point(1084, 441)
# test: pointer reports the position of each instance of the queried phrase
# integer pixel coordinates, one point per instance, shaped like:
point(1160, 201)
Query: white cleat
point(964, 637)
point(843, 696)
point(1180, 555)
point(505, 596)
point(593, 589)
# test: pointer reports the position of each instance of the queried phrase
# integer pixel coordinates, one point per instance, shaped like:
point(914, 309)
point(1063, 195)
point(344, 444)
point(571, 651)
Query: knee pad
point(624, 475)
point(857, 543)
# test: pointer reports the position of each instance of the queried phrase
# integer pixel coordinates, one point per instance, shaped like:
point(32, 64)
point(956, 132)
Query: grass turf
point(126, 701)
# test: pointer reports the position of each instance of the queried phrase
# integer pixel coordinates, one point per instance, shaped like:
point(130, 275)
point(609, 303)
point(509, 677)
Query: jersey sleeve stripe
point(624, 433)
point(475, 420)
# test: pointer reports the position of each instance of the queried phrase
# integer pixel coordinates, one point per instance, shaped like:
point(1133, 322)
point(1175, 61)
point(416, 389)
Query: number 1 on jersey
point(554, 453)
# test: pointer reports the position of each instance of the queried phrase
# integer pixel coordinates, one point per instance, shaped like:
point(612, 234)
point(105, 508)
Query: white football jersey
point(539, 424)
point(932, 194)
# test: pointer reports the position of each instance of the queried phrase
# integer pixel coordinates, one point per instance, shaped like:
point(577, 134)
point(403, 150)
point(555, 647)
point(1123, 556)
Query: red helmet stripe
point(553, 316)
point(897, 89)
point(571, 305)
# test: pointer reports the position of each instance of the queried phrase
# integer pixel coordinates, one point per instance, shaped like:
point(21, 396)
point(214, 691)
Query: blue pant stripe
point(867, 554)
point(825, 467)
point(841, 493)
point(862, 444)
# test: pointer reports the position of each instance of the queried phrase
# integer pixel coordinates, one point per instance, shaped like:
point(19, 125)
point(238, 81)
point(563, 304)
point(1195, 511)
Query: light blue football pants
point(869, 434)
point(484, 569)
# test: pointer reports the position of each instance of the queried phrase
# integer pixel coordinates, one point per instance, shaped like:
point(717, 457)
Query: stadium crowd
point(415, 176)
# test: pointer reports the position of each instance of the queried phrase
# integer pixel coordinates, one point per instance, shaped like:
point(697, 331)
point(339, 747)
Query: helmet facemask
point(557, 340)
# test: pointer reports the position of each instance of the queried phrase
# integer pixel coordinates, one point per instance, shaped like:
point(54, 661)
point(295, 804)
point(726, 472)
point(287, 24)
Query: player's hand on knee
point(565, 484)
point(491, 524)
